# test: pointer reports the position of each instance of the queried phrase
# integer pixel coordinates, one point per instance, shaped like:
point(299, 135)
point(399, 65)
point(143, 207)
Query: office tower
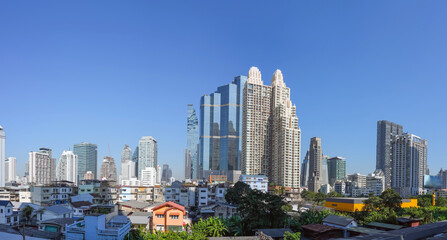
point(67, 167)
point(221, 128)
point(188, 167)
point(87, 159)
point(108, 169)
point(159, 173)
point(324, 171)
point(167, 173)
point(89, 175)
point(126, 154)
point(147, 153)
point(148, 177)
point(443, 175)
point(409, 164)
point(358, 180)
point(12, 162)
point(2, 156)
point(384, 157)
point(6, 170)
point(192, 142)
point(315, 162)
point(42, 166)
point(256, 120)
point(135, 160)
point(284, 166)
point(336, 169)
point(128, 170)
point(305, 170)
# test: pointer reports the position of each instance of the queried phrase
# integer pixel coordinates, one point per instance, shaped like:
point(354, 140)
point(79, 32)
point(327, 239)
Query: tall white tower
point(11, 169)
point(147, 154)
point(2, 156)
point(67, 167)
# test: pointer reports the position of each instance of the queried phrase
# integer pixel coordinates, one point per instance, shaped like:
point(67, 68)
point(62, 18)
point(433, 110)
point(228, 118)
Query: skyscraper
point(284, 168)
point(315, 162)
point(305, 170)
point(42, 166)
point(2, 156)
point(10, 169)
point(409, 164)
point(126, 154)
point(147, 153)
point(87, 159)
point(167, 173)
point(221, 127)
point(192, 144)
point(336, 169)
point(324, 170)
point(384, 157)
point(67, 167)
point(128, 170)
point(135, 160)
point(108, 169)
point(256, 121)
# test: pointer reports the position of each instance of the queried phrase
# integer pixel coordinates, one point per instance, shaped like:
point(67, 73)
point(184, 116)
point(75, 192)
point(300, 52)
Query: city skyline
point(352, 78)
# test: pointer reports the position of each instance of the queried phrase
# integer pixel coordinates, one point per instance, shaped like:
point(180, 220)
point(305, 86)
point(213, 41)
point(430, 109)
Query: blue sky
point(109, 72)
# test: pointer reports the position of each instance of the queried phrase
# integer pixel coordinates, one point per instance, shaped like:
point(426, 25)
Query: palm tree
point(216, 227)
point(26, 215)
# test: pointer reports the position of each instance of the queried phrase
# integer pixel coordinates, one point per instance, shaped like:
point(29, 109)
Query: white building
point(10, 169)
point(358, 179)
point(340, 187)
point(67, 167)
point(257, 182)
point(159, 173)
point(42, 167)
point(7, 215)
point(148, 176)
point(128, 170)
point(97, 227)
point(375, 182)
point(147, 153)
point(2, 156)
point(131, 182)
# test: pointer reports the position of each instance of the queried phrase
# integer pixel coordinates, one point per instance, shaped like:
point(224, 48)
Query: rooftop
point(338, 220)
point(58, 209)
point(59, 221)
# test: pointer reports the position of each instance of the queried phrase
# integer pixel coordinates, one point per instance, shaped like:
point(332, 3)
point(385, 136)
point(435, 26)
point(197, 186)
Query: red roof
point(170, 204)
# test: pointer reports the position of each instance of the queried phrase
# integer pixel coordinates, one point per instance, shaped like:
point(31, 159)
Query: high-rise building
point(255, 128)
point(443, 175)
point(108, 169)
point(315, 162)
point(284, 167)
point(375, 182)
point(67, 167)
point(324, 171)
point(148, 177)
point(159, 173)
point(305, 170)
point(42, 166)
point(192, 143)
point(358, 180)
point(135, 160)
point(166, 174)
point(409, 164)
point(126, 154)
point(128, 170)
point(147, 153)
point(221, 127)
point(336, 169)
point(2, 156)
point(384, 156)
point(87, 159)
point(10, 169)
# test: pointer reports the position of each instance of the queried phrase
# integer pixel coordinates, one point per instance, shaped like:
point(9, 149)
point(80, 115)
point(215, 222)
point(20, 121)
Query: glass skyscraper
point(221, 127)
point(192, 142)
point(147, 154)
point(87, 158)
point(386, 130)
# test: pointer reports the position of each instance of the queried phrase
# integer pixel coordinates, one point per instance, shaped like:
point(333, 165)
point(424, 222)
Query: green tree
point(27, 211)
point(320, 197)
point(308, 195)
point(234, 225)
point(391, 199)
point(441, 202)
point(334, 194)
point(216, 227)
point(287, 208)
point(239, 191)
point(292, 236)
point(373, 203)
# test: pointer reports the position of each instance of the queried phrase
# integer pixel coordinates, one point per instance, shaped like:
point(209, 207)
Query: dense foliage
point(319, 197)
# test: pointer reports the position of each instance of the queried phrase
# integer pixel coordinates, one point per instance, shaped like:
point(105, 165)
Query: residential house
point(135, 206)
point(96, 226)
point(340, 222)
point(55, 225)
point(80, 208)
point(7, 215)
point(169, 216)
point(218, 210)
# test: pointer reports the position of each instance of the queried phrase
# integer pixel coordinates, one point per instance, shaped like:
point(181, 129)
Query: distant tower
point(67, 167)
point(87, 159)
point(409, 164)
point(305, 170)
point(126, 154)
point(147, 154)
point(336, 169)
point(384, 156)
point(127, 164)
point(42, 166)
point(192, 143)
point(89, 175)
point(2, 156)
point(135, 160)
point(108, 169)
point(315, 164)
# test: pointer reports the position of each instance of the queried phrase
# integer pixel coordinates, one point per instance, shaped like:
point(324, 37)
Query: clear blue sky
point(109, 72)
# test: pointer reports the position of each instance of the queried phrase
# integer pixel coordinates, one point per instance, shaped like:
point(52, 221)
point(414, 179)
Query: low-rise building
point(340, 187)
point(106, 189)
point(340, 222)
point(81, 208)
point(56, 225)
point(135, 206)
point(59, 192)
point(96, 226)
point(169, 216)
point(346, 204)
point(7, 215)
point(15, 194)
point(218, 210)
point(55, 211)
point(257, 182)
point(140, 193)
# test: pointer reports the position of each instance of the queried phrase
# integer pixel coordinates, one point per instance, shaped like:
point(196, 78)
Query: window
point(174, 216)
point(160, 216)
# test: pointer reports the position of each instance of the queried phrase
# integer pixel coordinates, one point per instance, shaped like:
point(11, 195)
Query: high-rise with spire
point(271, 137)
point(192, 144)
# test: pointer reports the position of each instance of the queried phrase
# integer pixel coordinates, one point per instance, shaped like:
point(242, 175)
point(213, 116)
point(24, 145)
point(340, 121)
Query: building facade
point(87, 159)
point(257, 182)
point(147, 153)
point(315, 163)
point(336, 169)
point(2, 156)
point(128, 170)
point(192, 144)
point(67, 167)
point(409, 164)
point(148, 177)
point(10, 169)
point(108, 169)
point(126, 153)
point(42, 167)
point(221, 127)
point(384, 155)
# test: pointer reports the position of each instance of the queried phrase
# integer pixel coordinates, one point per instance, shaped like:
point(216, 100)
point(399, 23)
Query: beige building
point(270, 134)
point(315, 164)
point(42, 167)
